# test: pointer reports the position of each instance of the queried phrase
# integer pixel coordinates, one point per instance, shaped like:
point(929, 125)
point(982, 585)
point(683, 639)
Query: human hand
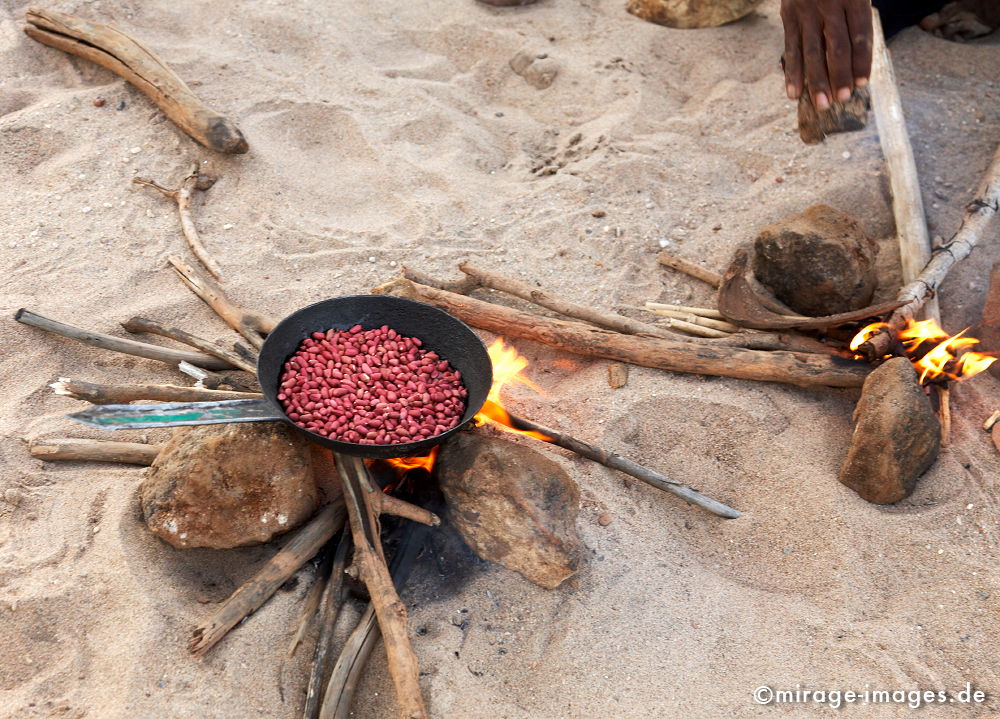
point(828, 47)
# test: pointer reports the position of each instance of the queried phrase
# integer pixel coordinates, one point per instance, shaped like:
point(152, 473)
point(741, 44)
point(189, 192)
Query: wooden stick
point(462, 287)
point(248, 323)
point(125, 393)
point(141, 324)
point(94, 450)
point(182, 198)
point(700, 311)
point(117, 344)
point(383, 503)
point(678, 356)
point(749, 339)
point(212, 380)
point(311, 603)
point(692, 328)
point(975, 222)
point(696, 319)
point(907, 202)
point(370, 561)
point(123, 55)
point(689, 268)
point(258, 589)
point(609, 459)
point(333, 599)
point(944, 414)
point(601, 318)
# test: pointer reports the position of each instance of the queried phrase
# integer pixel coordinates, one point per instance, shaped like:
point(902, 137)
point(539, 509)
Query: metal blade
point(176, 414)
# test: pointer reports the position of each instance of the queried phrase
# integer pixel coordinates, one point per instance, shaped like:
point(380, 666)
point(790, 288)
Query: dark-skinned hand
point(828, 47)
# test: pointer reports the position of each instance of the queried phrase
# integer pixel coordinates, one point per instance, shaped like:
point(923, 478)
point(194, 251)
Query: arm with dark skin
point(828, 47)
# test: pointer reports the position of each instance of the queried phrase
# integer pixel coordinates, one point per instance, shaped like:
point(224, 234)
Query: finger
point(792, 61)
point(838, 56)
point(859, 25)
point(814, 57)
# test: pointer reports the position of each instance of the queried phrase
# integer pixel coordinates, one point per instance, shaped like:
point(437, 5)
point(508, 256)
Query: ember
point(935, 354)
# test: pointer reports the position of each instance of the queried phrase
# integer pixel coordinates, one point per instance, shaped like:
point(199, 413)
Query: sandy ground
point(395, 132)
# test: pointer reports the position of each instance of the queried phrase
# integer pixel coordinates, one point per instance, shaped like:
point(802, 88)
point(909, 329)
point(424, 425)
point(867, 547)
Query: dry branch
point(694, 319)
point(311, 603)
point(912, 297)
point(690, 268)
point(370, 562)
point(141, 324)
point(332, 600)
point(182, 198)
point(700, 311)
point(258, 589)
point(94, 450)
point(595, 316)
point(692, 328)
point(123, 55)
point(463, 286)
point(125, 393)
point(678, 356)
point(117, 344)
point(248, 323)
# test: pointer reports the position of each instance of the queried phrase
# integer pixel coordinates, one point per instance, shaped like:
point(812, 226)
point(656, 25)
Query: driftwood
point(545, 299)
point(94, 450)
point(125, 393)
point(248, 323)
point(123, 55)
point(739, 303)
point(609, 459)
point(912, 296)
point(141, 324)
point(117, 344)
point(258, 589)
point(331, 602)
point(369, 560)
point(689, 268)
point(678, 356)
point(182, 198)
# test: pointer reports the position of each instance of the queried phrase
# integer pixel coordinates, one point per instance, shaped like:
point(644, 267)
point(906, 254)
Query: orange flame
point(405, 464)
point(949, 358)
point(508, 366)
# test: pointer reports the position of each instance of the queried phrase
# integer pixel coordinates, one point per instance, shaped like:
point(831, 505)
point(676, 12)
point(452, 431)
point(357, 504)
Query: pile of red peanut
point(370, 387)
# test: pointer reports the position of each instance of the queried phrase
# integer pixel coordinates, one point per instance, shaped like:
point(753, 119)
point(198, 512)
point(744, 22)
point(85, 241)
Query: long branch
point(141, 324)
point(125, 393)
point(679, 356)
point(118, 344)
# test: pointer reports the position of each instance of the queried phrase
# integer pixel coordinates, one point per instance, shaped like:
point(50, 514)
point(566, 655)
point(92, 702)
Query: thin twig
point(141, 324)
point(695, 319)
point(250, 324)
point(94, 450)
point(118, 344)
point(701, 311)
point(693, 328)
point(125, 393)
point(182, 198)
point(690, 268)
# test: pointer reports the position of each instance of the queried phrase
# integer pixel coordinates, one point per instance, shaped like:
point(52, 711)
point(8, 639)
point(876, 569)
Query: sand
point(395, 132)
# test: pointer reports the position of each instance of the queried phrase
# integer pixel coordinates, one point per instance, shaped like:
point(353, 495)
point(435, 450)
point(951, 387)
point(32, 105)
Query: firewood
point(700, 311)
point(125, 393)
point(601, 318)
point(252, 325)
point(113, 49)
point(913, 295)
point(369, 559)
point(678, 356)
point(141, 324)
point(182, 198)
point(691, 318)
point(310, 605)
point(258, 589)
point(689, 268)
point(94, 450)
point(463, 286)
point(117, 344)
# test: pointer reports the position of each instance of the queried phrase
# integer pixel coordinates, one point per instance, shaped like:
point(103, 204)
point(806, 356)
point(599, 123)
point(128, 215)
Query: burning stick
point(978, 214)
point(94, 450)
point(370, 561)
point(121, 54)
point(679, 356)
point(248, 323)
point(182, 197)
point(117, 344)
point(560, 305)
point(125, 393)
point(141, 324)
point(259, 588)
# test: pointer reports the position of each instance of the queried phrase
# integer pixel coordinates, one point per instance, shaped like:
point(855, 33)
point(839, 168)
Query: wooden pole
point(679, 356)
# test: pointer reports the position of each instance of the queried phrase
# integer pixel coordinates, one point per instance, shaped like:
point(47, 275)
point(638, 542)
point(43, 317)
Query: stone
point(988, 330)
point(512, 505)
point(896, 438)
point(849, 116)
point(691, 13)
point(229, 485)
point(537, 68)
point(818, 262)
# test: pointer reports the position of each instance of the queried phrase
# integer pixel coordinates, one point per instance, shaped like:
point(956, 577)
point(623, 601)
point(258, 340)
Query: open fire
point(937, 355)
